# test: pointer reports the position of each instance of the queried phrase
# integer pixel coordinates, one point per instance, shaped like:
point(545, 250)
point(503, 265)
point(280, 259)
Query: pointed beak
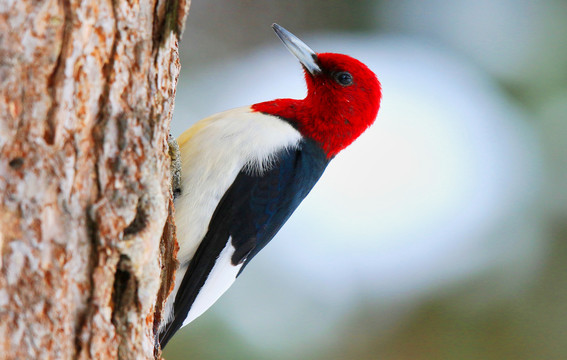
point(306, 56)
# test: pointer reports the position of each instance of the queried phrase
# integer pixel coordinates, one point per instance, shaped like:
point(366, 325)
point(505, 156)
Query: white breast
point(213, 152)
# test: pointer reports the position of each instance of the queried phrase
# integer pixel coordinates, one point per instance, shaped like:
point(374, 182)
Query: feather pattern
point(248, 216)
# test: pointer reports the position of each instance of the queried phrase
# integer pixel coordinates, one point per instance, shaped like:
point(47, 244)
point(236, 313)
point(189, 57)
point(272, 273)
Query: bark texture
point(86, 228)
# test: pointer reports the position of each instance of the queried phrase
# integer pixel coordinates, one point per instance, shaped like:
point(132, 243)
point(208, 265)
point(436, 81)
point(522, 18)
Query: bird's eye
point(344, 78)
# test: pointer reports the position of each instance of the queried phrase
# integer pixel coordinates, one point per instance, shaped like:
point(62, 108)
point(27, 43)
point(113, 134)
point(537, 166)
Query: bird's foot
point(175, 166)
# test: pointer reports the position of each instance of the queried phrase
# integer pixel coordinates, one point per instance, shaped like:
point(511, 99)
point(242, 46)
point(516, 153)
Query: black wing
point(251, 212)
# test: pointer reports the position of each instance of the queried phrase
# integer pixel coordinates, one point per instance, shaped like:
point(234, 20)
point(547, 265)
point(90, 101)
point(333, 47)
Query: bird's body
point(245, 171)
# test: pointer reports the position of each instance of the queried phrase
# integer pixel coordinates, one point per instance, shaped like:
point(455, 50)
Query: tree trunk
point(86, 229)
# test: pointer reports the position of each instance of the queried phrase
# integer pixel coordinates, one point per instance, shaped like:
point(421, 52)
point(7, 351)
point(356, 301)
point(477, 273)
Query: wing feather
point(250, 213)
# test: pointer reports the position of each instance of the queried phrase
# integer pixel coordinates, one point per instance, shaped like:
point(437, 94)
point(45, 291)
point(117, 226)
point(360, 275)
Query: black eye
point(344, 78)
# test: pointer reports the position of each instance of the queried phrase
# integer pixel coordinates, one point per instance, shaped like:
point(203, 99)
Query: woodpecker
point(245, 171)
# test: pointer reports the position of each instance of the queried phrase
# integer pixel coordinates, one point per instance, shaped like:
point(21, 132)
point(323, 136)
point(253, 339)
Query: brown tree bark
point(86, 228)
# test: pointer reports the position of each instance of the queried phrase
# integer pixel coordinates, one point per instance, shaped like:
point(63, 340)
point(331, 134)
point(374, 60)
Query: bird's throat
point(331, 129)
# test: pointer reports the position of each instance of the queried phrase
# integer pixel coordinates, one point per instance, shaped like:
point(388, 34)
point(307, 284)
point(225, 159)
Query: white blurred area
point(447, 196)
point(513, 39)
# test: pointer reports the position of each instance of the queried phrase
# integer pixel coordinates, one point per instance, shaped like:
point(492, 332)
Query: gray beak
point(306, 56)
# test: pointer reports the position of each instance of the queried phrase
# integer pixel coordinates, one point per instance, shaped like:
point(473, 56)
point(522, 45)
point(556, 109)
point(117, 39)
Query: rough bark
point(86, 228)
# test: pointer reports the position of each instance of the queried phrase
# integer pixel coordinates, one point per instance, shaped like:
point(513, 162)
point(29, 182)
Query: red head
point(343, 97)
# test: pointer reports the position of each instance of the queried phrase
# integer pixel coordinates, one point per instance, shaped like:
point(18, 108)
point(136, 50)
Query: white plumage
point(220, 279)
point(213, 152)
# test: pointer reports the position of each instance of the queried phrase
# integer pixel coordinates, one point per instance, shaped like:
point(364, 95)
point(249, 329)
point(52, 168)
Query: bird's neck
point(323, 123)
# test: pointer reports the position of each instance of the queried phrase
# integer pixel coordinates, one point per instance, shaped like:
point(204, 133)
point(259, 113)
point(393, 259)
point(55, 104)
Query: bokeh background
point(442, 232)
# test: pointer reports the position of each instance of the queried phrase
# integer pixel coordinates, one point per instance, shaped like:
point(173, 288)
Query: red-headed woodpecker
point(245, 171)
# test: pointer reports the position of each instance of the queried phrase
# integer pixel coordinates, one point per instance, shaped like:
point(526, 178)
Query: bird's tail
point(167, 332)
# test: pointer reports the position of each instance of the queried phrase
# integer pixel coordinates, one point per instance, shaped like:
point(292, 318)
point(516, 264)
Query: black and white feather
point(244, 174)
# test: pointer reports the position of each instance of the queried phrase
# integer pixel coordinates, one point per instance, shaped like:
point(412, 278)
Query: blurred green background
point(442, 233)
